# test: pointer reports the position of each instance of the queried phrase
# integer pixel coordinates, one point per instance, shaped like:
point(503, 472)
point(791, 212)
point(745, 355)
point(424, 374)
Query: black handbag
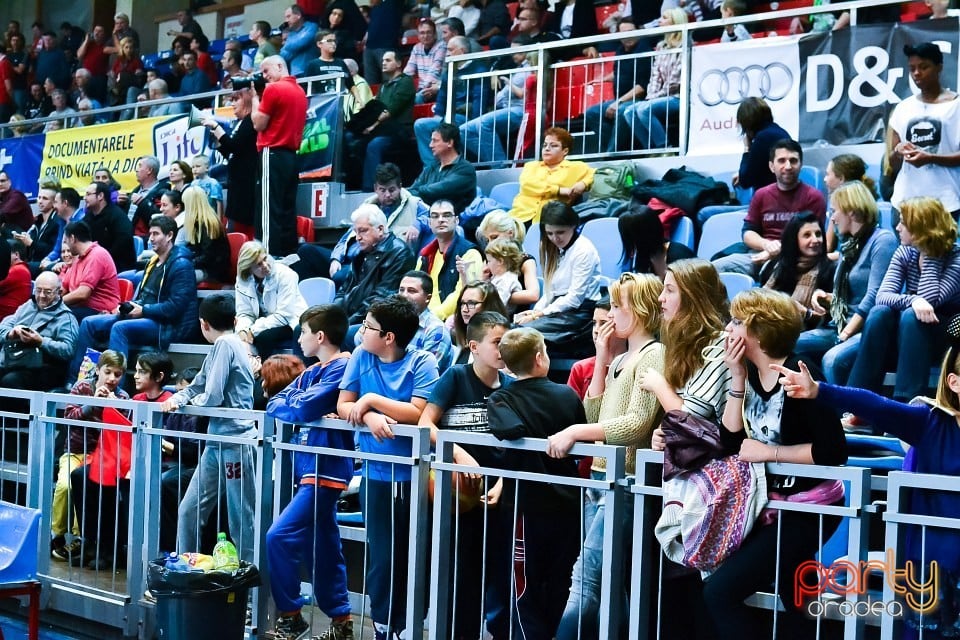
point(17, 355)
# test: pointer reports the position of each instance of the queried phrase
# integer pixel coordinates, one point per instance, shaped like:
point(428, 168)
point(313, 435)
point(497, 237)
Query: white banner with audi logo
point(835, 88)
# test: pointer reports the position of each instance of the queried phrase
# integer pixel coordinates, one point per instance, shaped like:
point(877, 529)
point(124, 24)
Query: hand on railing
point(380, 425)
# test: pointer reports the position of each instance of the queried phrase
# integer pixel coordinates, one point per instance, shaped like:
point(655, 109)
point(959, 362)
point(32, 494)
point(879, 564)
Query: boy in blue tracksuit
point(306, 531)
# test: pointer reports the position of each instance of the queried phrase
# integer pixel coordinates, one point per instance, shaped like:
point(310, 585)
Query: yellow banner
point(73, 155)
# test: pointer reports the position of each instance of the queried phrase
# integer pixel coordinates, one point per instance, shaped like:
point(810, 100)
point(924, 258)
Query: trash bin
point(201, 606)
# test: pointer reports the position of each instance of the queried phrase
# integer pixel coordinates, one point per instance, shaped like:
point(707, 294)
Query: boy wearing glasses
point(385, 384)
point(328, 63)
point(445, 257)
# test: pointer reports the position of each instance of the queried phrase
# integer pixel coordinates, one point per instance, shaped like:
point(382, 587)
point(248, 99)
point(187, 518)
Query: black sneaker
point(57, 542)
point(68, 552)
point(337, 631)
point(289, 628)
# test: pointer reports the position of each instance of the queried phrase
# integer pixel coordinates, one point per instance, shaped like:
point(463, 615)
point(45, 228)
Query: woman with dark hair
point(102, 174)
point(474, 297)
point(802, 266)
point(644, 248)
point(760, 133)
point(180, 174)
point(571, 281)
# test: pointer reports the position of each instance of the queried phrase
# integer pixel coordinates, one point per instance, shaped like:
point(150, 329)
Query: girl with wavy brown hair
point(694, 304)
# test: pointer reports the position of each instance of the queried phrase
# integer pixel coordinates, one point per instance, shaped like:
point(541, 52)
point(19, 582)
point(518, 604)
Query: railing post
point(440, 596)
point(416, 573)
point(263, 512)
point(611, 582)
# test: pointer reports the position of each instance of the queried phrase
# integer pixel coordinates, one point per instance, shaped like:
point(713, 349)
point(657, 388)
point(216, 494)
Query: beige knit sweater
point(627, 413)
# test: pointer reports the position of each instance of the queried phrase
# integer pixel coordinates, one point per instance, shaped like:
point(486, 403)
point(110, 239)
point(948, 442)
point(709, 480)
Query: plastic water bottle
point(225, 556)
point(176, 563)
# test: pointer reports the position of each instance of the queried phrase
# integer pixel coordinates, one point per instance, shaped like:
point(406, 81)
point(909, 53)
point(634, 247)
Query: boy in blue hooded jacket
point(306, 531)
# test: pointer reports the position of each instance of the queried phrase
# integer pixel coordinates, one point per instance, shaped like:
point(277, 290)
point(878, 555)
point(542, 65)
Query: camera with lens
point(255, 80)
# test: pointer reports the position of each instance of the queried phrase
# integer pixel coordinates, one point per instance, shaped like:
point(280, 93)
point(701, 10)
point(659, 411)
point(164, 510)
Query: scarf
point(849, 254)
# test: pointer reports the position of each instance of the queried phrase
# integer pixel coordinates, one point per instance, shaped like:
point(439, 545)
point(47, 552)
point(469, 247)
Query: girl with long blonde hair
point(205, 236)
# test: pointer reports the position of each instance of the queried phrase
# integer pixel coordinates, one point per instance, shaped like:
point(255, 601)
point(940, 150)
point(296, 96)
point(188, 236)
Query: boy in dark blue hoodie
point(307, 529)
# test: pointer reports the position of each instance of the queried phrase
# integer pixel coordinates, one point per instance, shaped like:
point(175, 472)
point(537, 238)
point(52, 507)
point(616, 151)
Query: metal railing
point(111, 593)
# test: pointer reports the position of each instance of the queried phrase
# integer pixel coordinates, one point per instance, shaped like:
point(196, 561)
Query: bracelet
point(776, 454)
point(737, 394)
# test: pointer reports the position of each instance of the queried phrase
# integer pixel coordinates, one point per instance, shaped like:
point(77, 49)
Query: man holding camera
point(164, 309)
point(279, 115)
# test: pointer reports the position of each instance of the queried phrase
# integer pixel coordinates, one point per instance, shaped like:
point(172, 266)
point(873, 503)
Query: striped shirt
point(937, 281)
point(705, 393)
point(426, 66)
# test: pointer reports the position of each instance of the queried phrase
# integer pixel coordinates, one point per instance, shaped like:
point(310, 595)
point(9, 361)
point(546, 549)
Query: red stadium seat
point(424, 110)
point(126, 290)
point(305, 229)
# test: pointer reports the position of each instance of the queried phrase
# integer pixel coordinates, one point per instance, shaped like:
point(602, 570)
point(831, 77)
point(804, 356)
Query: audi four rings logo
point(733, 84)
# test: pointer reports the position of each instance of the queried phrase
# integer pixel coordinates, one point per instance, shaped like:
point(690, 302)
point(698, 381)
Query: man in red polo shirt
point(279, 116)
point(95, 59)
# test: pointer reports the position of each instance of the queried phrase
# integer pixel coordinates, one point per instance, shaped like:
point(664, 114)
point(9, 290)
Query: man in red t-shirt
point(279, 116)
point(94, 58)
point(771, 208)
point(90, 284)
point(7, 106)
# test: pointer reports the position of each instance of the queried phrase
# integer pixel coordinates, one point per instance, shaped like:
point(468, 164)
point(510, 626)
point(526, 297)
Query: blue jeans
point(606, 130)
point(822, 344)
point(481, 136)
point(708, 212)
point(306, 532)
point(118, 335)
point(580, 619)
point(647, 119)
point(916, 344)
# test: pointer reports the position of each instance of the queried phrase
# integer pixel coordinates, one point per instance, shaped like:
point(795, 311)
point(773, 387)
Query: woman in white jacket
point(269, 303)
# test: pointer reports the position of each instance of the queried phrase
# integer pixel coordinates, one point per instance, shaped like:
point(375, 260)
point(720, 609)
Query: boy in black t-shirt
point(546, 527)
point(459, 402)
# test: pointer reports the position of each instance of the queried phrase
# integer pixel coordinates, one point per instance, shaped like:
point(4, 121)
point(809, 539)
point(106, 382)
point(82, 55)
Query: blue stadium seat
point(735, 283)
point(719, 232)
point(138, 245)
point(886, 215)
point(19, 536)
point(317, 290)
point(531, 245)
point(683, 232)
point(811, 175)
point(505, 192)
point(605, 236)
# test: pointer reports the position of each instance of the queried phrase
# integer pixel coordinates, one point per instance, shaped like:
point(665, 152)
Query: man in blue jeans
point(481, 136)
point(164, 309)
point(467, 97)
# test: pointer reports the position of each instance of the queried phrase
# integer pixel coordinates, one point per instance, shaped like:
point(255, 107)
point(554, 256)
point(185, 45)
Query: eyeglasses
point(40, 291)
point(364, 326)
point(552, 145)
point(470, 304)
point(442, 215)
point(329, 41)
